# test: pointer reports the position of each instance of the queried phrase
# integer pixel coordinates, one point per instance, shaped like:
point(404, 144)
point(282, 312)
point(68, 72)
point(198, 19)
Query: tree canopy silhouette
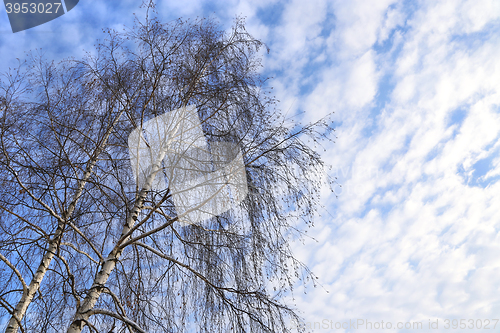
point(86, 244)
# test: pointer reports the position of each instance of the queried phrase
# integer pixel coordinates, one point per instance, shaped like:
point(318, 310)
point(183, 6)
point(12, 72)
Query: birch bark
point(34, 286)
point(84, 311)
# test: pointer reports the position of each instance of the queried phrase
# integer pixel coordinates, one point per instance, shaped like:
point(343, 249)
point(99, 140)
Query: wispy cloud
point(413, 237)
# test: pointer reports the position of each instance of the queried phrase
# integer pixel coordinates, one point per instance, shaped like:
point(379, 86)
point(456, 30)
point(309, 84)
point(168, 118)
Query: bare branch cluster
point(84, 247)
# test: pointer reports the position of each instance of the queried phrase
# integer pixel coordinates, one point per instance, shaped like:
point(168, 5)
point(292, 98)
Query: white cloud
point(425, 247)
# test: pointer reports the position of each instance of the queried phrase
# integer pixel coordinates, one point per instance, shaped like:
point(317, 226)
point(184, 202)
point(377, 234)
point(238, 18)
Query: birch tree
point(152, 186)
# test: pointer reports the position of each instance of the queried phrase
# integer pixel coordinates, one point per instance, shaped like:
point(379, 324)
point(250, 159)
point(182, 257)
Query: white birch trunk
point(34, 286)
point(25, 300)
point(84, 312)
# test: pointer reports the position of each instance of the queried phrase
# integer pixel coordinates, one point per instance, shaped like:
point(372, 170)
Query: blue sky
point(413, 233)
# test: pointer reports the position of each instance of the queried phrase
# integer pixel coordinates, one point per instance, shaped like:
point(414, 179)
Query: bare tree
point(152, 187)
